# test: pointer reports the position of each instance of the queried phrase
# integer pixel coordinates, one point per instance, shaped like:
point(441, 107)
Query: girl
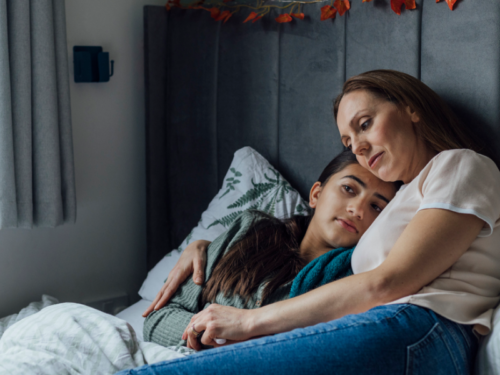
point(255, 261)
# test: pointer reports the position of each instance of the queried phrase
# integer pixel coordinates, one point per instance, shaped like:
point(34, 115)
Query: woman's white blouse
point(461, 181)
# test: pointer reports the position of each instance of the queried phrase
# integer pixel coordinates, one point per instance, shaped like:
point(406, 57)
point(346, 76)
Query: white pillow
point(488, 355)
point(250, 182)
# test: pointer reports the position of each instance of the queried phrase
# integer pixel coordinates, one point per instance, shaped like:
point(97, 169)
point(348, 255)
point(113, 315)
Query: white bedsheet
point(70, 339)
point(133, 315)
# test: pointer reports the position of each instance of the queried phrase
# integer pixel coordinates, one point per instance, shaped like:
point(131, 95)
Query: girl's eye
point(377, 208)
point(348, 189)
point(364, 125)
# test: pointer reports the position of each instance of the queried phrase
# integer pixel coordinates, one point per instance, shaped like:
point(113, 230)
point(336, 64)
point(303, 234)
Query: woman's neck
point(312, 245)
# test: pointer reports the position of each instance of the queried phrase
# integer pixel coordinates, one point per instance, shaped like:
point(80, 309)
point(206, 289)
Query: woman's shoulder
point(464, 162)
point(464, 156)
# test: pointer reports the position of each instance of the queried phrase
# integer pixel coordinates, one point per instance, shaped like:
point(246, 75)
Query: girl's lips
point(349, 226)
point(374, 159)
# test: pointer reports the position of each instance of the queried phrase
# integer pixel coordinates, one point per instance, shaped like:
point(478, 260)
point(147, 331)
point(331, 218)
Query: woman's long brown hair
point(439, 126)
point(269, 252)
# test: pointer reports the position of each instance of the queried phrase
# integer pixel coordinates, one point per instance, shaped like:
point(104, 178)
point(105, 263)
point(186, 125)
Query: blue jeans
point(391, 339)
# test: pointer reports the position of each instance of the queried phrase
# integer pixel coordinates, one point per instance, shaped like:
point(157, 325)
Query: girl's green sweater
point(166, 326)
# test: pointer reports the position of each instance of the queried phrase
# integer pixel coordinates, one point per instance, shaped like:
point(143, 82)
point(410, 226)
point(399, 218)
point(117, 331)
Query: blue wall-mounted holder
point(91, 64)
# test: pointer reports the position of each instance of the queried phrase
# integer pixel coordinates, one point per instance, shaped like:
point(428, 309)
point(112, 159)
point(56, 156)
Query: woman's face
point(347, 204)
point(382, 136)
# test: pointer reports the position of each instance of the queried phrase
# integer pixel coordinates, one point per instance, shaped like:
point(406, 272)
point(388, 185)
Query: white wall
point(104, 253)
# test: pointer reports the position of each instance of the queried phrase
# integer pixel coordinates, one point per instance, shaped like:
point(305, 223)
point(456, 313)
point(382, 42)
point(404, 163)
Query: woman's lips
point(374, 159)
point(347, 225)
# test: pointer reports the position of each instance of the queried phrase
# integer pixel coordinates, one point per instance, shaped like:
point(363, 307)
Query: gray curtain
point(37, 186)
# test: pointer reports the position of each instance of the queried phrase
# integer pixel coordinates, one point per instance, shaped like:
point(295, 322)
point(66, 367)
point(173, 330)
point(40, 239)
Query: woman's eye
point(348, 189)
point(364, 125)
point(377, 208)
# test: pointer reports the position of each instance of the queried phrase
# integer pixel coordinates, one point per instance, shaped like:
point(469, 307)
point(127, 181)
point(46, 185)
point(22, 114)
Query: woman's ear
point(413, 115)
point(314, 194)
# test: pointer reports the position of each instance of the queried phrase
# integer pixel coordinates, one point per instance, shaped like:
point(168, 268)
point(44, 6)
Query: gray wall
point(103, 254)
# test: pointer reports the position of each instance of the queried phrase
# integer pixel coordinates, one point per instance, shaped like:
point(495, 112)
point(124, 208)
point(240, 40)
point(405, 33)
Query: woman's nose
point(358, 146)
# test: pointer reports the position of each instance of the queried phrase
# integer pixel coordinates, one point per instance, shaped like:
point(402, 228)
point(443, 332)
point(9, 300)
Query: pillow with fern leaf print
point(250, 183)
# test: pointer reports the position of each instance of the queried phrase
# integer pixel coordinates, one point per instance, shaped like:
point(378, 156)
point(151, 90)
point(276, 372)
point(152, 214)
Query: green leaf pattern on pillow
point(261, 196)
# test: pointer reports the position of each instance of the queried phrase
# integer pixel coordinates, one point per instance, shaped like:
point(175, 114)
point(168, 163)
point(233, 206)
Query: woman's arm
point(432, 242)
point(192, 261)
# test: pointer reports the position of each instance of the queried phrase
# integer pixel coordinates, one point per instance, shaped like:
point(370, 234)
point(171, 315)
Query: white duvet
point(70, 338)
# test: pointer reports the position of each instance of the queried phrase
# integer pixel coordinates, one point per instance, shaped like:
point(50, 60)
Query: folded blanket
point(329, 267)
point(31, 309)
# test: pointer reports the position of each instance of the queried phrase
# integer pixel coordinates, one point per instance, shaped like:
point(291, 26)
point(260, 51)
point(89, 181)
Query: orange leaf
point(257, 18)
point(366, 1)
point(167, 6)
point(282, 18)
point(214, 12)
point(327, 12)
point(300, 16)
point(342, 6)
point(250, 17)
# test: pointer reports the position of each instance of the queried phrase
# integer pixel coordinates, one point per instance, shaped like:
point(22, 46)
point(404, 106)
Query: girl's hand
point(192, 261)
point(222, 322)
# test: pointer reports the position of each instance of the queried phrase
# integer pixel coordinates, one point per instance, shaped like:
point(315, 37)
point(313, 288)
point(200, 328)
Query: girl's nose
point(356, 209)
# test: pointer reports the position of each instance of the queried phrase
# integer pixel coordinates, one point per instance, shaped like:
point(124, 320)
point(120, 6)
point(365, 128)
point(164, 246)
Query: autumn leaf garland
point(260, 10)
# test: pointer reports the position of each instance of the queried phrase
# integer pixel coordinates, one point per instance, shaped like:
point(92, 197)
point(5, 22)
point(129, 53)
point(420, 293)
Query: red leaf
point(250, 17)
point(410, 4)
point(327, 12)
point(214, 12)
point(282, 18)
point(223, 16)
point(300, 16)
point(257, 18)
point(342, 6)
point(227, 17)
point(451, 3)
point(397, 4)
point(167, 6)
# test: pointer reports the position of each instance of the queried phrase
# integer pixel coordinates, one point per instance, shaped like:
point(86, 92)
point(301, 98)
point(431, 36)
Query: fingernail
point(198, 280)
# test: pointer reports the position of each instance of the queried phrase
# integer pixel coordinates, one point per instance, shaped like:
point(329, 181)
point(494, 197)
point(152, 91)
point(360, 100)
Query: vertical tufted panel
point(310, 78)
point(191, 126)
point(247, 89)
point(379, 39)
point(155, 39)
point(461, 61)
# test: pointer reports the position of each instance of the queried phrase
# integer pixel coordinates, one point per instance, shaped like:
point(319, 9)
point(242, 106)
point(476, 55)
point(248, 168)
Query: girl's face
point(382, 136)
point(347, 205)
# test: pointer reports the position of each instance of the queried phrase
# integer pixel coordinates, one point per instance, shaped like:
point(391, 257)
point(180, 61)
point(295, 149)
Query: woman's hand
point(222, 322)
point(192, 261)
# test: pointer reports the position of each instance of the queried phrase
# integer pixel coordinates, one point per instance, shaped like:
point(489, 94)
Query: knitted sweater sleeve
point(166, 326)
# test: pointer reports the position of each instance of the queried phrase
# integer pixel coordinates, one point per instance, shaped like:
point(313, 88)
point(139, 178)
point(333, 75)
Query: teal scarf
point(329, 267)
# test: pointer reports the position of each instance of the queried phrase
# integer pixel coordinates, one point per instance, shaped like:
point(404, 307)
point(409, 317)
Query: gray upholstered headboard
point(213, 88)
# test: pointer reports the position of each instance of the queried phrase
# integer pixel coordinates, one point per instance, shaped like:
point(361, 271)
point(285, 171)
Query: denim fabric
point(391, 339)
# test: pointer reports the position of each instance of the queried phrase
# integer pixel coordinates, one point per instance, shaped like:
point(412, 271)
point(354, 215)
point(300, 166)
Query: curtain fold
point(37, 185)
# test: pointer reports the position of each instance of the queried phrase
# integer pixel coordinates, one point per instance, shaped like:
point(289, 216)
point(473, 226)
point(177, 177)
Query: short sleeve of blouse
point(465, 182)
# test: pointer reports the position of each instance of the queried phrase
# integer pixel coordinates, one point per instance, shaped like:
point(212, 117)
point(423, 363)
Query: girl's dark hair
point(270, 251)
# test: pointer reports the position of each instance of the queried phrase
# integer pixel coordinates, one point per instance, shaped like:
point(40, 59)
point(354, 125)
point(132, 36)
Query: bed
point(212, 88)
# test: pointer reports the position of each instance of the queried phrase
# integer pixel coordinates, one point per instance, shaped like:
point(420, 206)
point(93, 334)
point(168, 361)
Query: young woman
point(426, 274)
point(255, 261)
